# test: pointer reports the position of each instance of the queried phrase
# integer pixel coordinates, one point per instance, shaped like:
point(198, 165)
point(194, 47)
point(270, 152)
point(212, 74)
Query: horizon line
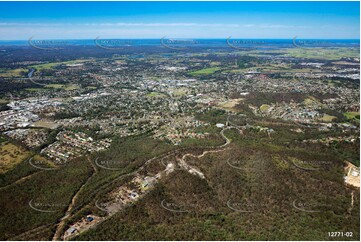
point(213, 38)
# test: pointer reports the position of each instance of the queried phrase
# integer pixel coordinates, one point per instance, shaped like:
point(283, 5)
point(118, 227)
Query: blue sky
point(87, 20)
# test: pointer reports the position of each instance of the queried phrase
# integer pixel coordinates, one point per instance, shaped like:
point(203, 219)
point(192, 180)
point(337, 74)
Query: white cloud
point(23, 31)
point(124, 24)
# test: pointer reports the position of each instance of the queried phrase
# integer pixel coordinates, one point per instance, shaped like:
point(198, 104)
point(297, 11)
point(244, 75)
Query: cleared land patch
point(10, 155)
point(205, 71)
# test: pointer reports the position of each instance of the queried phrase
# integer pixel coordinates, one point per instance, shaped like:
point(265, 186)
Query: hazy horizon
point(147, 20)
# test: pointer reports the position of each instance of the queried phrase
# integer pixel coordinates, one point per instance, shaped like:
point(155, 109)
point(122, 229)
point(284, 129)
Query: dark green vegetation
point(50, 190)
point(262, 186)
point(53, 190)
point(257, 175)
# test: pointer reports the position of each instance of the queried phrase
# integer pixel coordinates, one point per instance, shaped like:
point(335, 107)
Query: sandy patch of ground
point(230, 104)
point(43, 123)
point(10, 155)
point(352, 174)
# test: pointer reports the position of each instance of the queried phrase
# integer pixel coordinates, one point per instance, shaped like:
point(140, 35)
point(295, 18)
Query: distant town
point(118, 127)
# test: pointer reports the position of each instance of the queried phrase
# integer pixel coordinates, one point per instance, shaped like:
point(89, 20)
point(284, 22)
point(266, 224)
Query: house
point(133, 195)
point(89, 218)
point(220, 125)
point(71, 230)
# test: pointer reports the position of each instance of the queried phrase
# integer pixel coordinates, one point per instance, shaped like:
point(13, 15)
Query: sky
point(267, 20)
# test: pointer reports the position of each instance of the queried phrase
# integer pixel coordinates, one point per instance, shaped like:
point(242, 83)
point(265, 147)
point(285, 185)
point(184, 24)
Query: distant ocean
point(179, 42)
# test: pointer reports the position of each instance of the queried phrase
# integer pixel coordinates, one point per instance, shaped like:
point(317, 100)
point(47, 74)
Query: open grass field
point(47, 66)
point(11, 155)
point(352, 115)
point(323, 53)
point(205, 71)
point(179, 92)
point(310, 53)
point(65, 87)
point(12, 72)
point(328, 118)
point(69, 87)
point(231, 104)
point(19, 72)
point(44, 124)
point(156, 94)
point(264, 107)
point(311, 101)
point(3, 101)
